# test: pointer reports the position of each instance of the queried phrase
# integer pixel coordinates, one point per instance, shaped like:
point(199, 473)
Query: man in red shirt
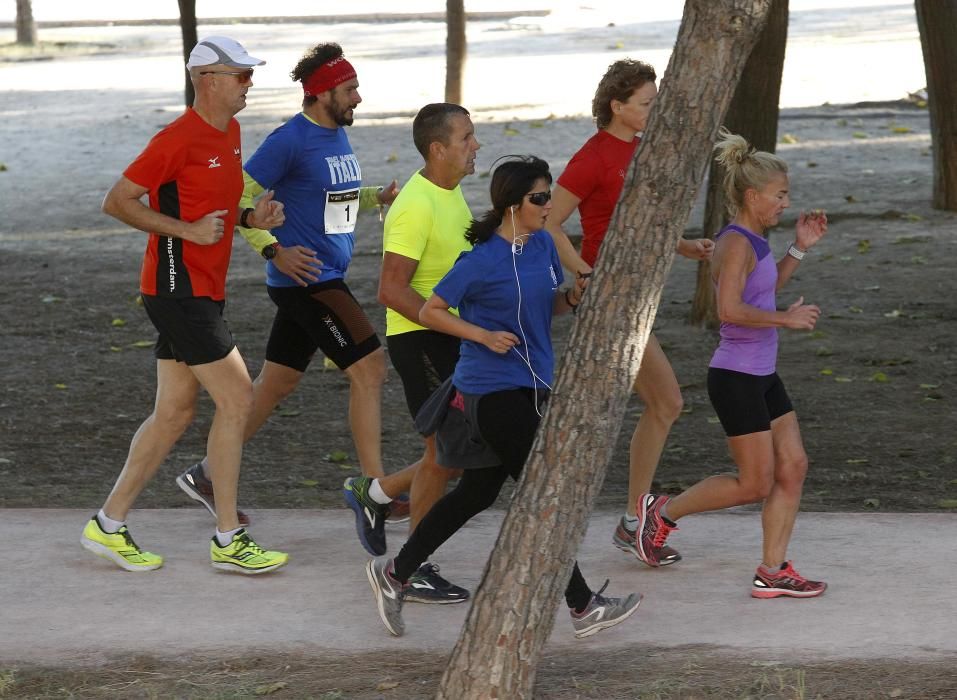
point(192, 172)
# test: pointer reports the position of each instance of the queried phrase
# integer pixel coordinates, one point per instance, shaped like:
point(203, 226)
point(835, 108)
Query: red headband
point(327, 76)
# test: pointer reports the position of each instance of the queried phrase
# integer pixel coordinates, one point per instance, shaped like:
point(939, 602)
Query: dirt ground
point(872, 385)
point(651, 674)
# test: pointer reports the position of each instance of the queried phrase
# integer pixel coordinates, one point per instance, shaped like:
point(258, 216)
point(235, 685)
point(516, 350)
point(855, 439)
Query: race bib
point(342, 207)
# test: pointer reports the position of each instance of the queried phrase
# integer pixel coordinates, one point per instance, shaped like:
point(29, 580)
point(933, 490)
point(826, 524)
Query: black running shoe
point(426, 586)
point(370, 516)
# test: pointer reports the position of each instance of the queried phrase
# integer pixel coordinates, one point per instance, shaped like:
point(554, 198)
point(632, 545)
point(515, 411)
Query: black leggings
point(507, 421)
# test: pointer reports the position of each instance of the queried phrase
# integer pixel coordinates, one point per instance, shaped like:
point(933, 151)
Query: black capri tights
point(507, 421)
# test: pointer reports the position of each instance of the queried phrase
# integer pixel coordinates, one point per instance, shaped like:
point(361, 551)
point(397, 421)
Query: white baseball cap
point(223, 51)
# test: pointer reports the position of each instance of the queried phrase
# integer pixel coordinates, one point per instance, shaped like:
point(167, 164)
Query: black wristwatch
point(269, 252)
point(244, 217)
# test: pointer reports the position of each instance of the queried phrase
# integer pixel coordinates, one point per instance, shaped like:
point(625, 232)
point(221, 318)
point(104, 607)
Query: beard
point(342, 120)
point(342, 114)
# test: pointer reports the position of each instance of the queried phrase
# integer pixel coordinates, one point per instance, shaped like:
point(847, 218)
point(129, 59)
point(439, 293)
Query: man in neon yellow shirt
point(424, 235)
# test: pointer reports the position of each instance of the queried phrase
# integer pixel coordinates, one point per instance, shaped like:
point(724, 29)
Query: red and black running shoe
point(652, 529)
point(786, 582)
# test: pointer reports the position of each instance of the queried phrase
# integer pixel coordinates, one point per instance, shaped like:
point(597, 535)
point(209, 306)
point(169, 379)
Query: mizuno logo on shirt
point(214, 162)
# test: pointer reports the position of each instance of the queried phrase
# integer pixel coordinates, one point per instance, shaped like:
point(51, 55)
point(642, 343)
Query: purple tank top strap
point(758, 243)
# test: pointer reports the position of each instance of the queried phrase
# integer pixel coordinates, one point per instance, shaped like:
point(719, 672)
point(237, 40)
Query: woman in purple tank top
point(745, 390)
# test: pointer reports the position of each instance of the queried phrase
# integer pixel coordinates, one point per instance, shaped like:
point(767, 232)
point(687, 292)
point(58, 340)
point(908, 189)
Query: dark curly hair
point(511, 181)
point(313, 58)
point(619, 82)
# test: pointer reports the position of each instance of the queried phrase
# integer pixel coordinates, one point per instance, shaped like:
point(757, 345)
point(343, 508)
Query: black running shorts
point(322, 316)
point(191, 329)
point(746, 403)
point(423, 359)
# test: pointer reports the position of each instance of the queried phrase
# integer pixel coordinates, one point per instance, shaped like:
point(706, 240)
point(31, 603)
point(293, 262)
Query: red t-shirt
point(596, 175)
point(191, 169)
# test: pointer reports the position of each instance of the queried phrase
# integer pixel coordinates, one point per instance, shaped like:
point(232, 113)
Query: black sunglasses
point(539, 199)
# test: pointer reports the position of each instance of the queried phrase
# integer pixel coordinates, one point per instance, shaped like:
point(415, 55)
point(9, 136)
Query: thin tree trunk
point(937, 22)
point(455, 50)
point(514, 607)
point(26, 26)
point(753, 113)
point(187, 25)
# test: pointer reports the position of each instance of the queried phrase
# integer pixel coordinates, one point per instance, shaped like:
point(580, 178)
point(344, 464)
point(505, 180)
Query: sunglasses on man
point(243, 76)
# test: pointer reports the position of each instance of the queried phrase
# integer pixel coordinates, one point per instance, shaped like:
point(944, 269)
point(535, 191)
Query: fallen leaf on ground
point(270, 689)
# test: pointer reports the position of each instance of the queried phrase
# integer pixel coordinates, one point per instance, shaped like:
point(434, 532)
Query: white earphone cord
point(526, 358)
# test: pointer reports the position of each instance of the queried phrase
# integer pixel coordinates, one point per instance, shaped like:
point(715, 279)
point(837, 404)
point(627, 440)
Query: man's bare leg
point(173, 411)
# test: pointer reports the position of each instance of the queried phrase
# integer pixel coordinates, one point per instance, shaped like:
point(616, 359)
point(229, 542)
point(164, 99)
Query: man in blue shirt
point(310, 160)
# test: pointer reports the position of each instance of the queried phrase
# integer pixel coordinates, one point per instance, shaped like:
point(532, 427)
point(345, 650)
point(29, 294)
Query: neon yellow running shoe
point(244, 556)
point(118, 547)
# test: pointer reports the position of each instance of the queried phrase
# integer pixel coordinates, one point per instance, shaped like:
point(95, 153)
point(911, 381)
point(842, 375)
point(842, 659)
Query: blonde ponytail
point(745, 167)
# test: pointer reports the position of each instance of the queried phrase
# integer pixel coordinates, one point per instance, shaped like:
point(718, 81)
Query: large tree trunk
point(514, 608)
point(187, 25)
point(753, 113)
point(937, 22)
point(26, 26)
point(455, 50)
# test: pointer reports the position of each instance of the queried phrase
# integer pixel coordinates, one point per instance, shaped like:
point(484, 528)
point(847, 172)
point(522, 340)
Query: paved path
point(891, 590)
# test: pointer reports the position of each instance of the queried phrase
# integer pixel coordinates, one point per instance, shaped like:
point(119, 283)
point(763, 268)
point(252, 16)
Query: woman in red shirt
point(592, 183)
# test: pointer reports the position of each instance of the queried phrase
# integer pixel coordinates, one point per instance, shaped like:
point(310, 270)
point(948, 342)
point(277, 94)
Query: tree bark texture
point(455, 50)
point(753, 113)
point(937, 22)
point(514, 607)
point(26, 26)
point(187, 25)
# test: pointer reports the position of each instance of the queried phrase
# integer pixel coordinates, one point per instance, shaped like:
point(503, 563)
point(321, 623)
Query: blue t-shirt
point(316, 176)
point(483, 285)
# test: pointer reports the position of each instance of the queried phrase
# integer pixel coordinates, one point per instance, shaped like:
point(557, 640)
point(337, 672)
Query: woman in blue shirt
point(506, 290)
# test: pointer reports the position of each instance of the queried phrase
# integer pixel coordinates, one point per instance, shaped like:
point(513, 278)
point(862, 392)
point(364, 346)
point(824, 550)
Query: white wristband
point(796, 252)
